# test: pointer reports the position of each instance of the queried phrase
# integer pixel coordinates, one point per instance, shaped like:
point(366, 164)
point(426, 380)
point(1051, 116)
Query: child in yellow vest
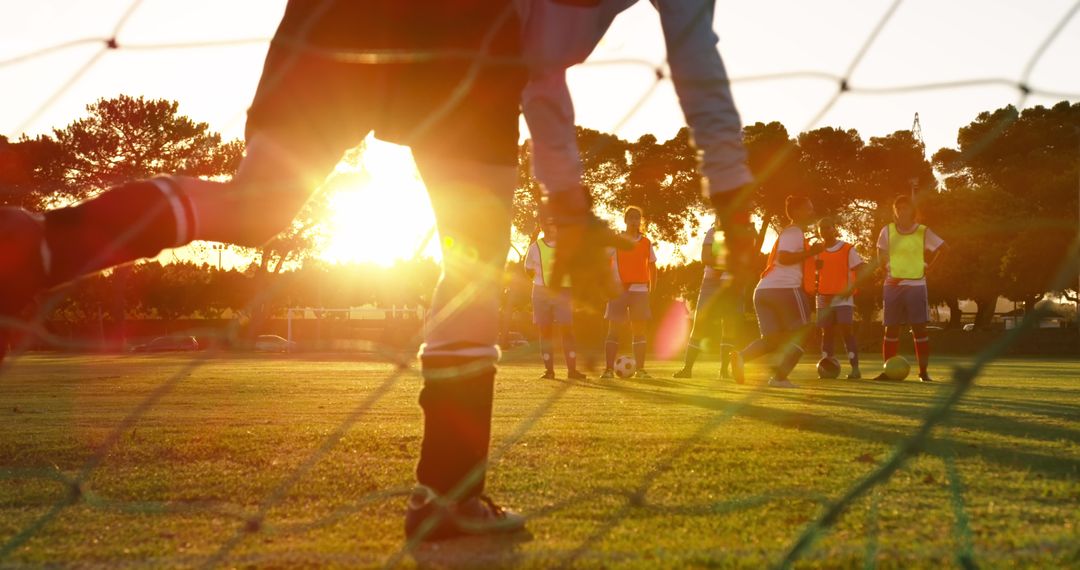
point(551, 303)
point(904, 247)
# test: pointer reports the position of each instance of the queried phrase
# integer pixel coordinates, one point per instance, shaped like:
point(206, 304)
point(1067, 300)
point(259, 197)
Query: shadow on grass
point(1053, 465)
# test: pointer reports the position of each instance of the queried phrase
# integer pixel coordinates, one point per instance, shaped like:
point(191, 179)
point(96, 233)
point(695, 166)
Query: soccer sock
point(889, 348)
point(922, 352)
point(789, 361)
point(852, 349)
point(725, 357)
point(827, 342)
point(692, 351)
point(125, 223)
point(611, 348)
point(639, 352)
point(545, 353)
point(456, 399)
point(569, 344)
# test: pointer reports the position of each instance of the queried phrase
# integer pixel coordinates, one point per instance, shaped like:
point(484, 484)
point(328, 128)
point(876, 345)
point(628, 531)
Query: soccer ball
point(897, 368)
point(828, 368)
point(625, 367)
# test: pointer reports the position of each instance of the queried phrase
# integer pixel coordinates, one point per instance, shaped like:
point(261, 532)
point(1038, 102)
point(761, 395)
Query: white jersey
point(711, 273)
point(932, 243)
point(534, 264)
point(782, 276)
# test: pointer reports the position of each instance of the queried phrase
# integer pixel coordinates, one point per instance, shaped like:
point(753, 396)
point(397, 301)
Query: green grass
point(625, 473)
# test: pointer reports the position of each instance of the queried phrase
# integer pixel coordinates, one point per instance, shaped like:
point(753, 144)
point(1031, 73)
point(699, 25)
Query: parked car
point(168, 344)
point(273, 343)
point(515, 340)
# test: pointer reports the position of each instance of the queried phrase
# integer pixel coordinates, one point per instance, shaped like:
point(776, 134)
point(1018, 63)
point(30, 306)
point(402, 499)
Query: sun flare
point(378, 209)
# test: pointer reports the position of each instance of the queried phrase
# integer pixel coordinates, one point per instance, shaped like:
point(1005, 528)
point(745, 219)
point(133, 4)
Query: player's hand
point(582, 253)
point(733, 218)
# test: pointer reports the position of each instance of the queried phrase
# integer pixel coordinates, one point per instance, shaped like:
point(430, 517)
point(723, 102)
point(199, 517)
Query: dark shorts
point(906, 305)
point(781, 310)
point(322, 88)
point(551, 306)
point(829, 316)
point(629, 304)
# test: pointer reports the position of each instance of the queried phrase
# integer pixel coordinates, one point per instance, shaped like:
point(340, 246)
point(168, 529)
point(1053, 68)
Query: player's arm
point(796, 257)
point(708, 259)
point(935, 256)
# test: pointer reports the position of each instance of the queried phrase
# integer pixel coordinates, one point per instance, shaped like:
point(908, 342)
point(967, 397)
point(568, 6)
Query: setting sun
point(378, 209)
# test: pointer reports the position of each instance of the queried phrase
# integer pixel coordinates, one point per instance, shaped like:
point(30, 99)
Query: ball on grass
point(828, 368)
point(625, 367)
point(897, 368)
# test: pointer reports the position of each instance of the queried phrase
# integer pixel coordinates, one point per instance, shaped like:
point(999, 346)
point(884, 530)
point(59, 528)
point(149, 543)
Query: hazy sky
point(925, 41)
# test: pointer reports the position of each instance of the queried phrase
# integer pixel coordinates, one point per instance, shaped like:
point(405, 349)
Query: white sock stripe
point(178, 210)
point(46, 258)
point(887, 339)
point(796, 347)
point(924, 339)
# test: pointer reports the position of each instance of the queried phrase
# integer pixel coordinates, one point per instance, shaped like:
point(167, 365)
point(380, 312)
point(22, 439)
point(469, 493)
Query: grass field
point(627, 473)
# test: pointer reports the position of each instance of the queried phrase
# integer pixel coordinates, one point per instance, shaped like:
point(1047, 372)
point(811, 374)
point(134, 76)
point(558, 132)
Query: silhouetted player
point(462, 124)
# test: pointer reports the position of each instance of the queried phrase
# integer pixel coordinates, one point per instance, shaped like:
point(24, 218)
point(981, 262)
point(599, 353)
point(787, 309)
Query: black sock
point(124, 223)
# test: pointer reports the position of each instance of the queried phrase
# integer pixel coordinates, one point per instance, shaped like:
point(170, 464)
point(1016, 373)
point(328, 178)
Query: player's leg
point(919, 316)
point(547, 342)
point(472, 202)
point(564, 319)
point(826, 322)
point(770, 326)
point(616, 314)
point(794, 312)
point(639, 326)
point(701, 329)
point(544, 321)
point(845, 328)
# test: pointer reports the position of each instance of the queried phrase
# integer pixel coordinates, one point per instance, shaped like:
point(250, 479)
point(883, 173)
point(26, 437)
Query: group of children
point(798, 269)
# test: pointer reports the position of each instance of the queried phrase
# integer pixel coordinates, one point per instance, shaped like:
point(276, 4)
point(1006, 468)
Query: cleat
point(608, 374)
point(430, 519)
point(781, 383)
point(724, 374)
point(738, 368)
point(642, 375)
point(854, 374)
point(548, 375)
point(684, 373)
point(925, 377)
point(575, 375)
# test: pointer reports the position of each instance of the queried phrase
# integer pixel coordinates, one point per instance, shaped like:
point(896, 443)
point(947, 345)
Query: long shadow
point(962, 418)
point(1052, 465)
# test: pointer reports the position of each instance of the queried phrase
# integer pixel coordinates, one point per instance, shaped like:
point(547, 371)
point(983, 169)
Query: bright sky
point(925, 41)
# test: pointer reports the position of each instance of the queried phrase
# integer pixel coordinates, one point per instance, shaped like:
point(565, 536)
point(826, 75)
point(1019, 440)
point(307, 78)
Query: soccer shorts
point(551, 306)
point(629, 304)
point(324, 88)
point(781, 310)
point(839, 315)
point(906, 305)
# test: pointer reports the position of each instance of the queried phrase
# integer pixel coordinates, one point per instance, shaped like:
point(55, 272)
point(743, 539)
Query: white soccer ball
point(625, 367)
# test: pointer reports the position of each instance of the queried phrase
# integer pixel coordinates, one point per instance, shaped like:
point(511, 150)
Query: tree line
point(1005, 198)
